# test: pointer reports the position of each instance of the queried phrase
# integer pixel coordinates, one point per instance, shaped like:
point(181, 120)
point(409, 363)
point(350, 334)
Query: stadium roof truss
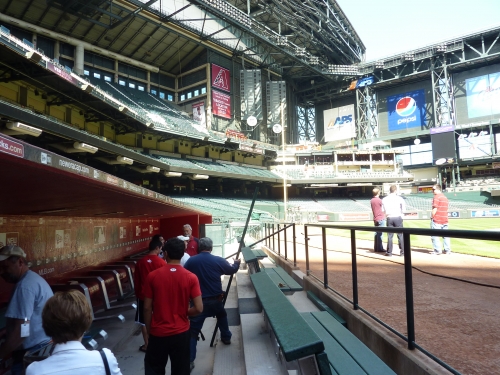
point(457, 54)
point(291, 38)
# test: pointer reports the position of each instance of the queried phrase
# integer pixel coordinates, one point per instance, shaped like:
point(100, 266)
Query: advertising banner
point(61, 73)
point(483, 95)
point(221, 104)
point(221, 78)
point(339, 123)
point(406, 110)
point(358, 216)
point(454, 214)
point(485, 213)
point(11, 147)
point(199, 114)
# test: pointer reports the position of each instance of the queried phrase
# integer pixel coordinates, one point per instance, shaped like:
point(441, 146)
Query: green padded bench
point(296, 337)
point(323, 307)
point(259, 253)
point(283, 280)
point(251, 259)
point(346, 353)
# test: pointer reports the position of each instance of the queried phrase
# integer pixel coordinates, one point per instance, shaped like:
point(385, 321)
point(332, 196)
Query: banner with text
point(221, 104)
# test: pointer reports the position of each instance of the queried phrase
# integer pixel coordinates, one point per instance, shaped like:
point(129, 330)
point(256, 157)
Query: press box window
point(196, 92)
point(162, 95)
point(189, 95)
point(203, 90)
point(183, 97)
point(107, 78)
point(153, 92)
point(86, 72)
point(97, 75)
point(140, 88)
point(121, 82)
point(170, 98)
point(131, 85)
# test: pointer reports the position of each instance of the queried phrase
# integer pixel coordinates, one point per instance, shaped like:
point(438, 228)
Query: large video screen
point(483, 95)
point(339, 123)
point(405, 109)
point(474, 146)
point(477, 95)
point(443, 145)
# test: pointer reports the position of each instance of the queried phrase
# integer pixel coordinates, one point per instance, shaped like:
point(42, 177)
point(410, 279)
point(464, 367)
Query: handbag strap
point(105, 360)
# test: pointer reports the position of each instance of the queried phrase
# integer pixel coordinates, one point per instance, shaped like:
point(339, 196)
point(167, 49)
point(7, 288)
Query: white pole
point(284, 166)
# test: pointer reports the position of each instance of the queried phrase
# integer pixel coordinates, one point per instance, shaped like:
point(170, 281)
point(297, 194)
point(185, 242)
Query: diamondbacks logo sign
point(221, 78)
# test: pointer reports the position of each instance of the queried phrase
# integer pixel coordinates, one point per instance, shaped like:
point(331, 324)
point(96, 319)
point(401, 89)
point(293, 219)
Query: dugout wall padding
point(58, 245)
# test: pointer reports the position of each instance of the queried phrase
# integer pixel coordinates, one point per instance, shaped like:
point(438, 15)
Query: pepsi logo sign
point(406, 106)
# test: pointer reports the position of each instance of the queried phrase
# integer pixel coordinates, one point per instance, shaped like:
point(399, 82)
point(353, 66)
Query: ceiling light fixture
point(20, 128)
point(85, 147)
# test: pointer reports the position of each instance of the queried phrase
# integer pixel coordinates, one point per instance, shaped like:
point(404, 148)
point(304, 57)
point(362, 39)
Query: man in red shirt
point(168, 291)
point(192, 245)
point(378, 219)
point(439, 220)
point(143, 267)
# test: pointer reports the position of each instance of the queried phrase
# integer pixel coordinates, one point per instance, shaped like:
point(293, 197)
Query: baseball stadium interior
point(122, 119)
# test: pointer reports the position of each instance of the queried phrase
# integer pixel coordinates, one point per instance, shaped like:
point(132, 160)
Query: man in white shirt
point(394, 207)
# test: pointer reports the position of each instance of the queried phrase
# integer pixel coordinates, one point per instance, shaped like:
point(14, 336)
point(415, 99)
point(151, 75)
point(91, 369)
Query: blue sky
point(388, 27)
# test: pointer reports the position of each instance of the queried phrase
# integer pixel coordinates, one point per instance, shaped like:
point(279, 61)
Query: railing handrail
point(470, 234)
point(409, 299)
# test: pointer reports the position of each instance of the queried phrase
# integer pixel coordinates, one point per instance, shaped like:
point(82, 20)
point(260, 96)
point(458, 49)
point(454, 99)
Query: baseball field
point(458, 245)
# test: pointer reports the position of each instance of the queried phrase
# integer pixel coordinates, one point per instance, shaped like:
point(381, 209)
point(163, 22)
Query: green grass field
point(458, 245)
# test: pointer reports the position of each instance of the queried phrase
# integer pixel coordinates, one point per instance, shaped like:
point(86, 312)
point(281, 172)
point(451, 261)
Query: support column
point(79, 53)
point(148, 77)
point(116, 71)
point(57, 49)
point(367, 116)
point(442, 93)
point(208, 106)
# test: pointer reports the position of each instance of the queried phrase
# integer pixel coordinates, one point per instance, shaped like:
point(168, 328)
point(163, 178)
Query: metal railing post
point(294, 247)
point(274, 237)
point(410, 313)
point(354, 270)
point(279, 241)
point(286, 246)
point(325, 260)
point(306, 243)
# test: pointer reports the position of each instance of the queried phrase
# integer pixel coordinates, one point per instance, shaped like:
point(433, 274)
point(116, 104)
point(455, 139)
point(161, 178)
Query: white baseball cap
point(10, 251)
point(184, 238)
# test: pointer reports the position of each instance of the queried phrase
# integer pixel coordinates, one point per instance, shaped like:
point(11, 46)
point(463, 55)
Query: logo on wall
point(406, 110)
point(406, 106)
point(339, 123)
point(221, 78)
point(9, 239)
